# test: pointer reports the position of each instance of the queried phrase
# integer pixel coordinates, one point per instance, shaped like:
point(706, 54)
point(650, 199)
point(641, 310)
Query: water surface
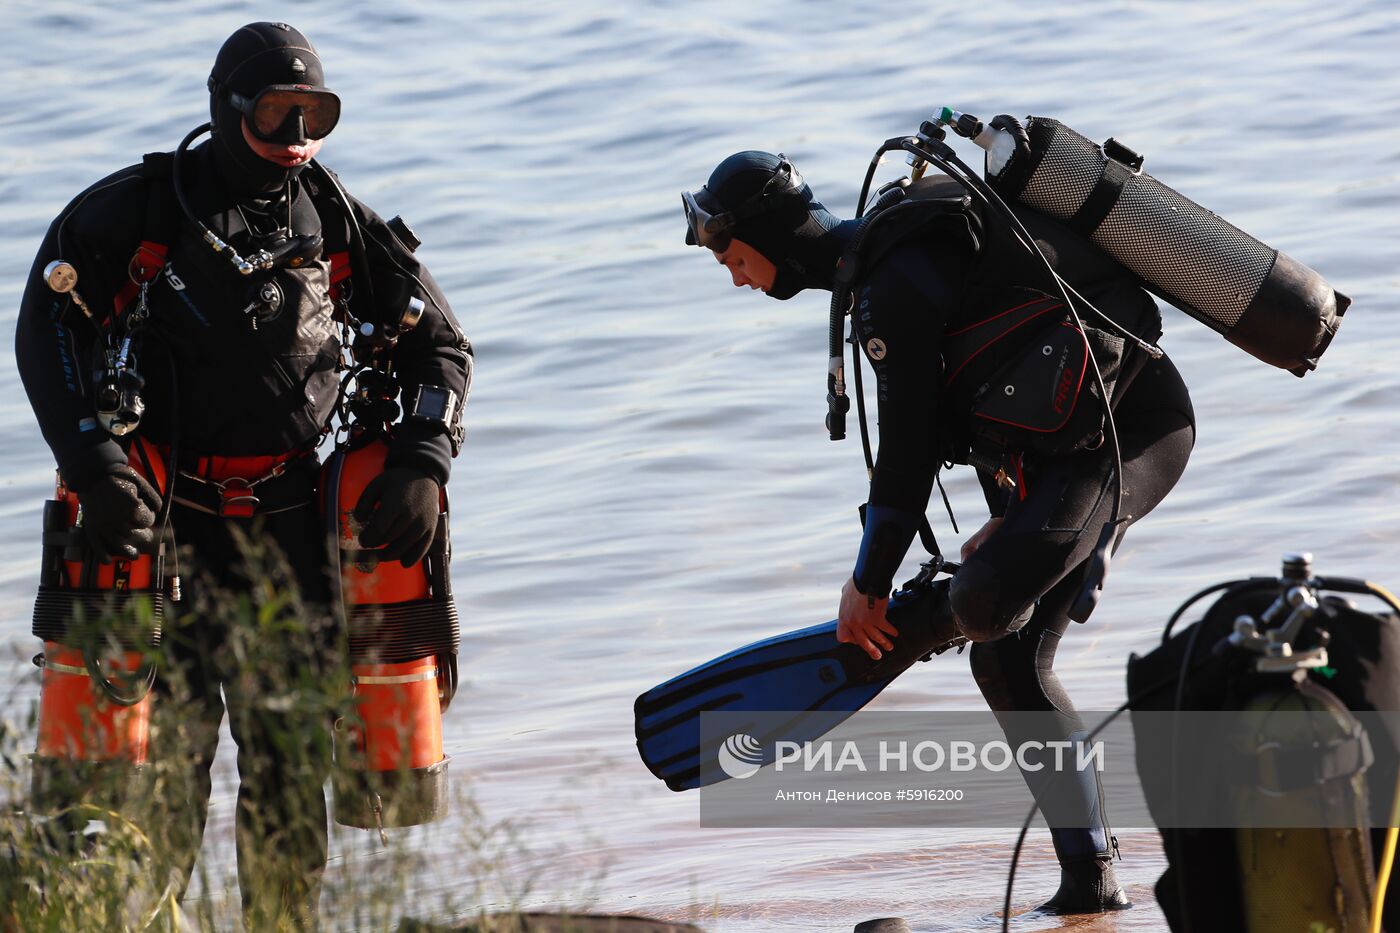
point(646, 481)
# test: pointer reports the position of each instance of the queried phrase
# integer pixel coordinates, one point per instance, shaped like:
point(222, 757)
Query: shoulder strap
point(336, 233)
point(934, 203)
point(336, 221)
point(159, 227)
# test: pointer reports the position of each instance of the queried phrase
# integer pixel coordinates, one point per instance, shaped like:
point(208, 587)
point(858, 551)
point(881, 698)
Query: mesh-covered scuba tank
point(391, 770)
point(1259, 299)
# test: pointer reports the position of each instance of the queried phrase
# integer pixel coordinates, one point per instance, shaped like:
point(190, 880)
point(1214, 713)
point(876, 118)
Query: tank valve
point(1297, 567)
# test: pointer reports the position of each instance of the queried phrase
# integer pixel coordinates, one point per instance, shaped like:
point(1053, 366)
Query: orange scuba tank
point(95, 619)
point(403, 636)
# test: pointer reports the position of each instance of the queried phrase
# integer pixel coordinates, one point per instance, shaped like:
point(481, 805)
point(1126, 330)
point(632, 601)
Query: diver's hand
point(861, 621)
point(971, 545)
point(399, 510)
point(119, 513)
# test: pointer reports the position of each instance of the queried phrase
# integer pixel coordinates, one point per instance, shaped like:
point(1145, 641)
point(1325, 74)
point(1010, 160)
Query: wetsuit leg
point(1016, 598)
point(1049, 534)
point(280, 714)
point(1016, 676)
point(1017, 679)
point(187, 710)
point(272, 652)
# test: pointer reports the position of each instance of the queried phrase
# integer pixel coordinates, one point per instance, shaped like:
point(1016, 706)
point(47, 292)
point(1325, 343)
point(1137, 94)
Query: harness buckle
point(236, 499)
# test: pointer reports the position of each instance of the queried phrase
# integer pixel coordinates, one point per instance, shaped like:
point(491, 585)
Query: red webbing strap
point(340, 271)
point(145, 265)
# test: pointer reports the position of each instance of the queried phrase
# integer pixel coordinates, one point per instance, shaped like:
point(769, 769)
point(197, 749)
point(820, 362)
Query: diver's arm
point(434, 353)
point(902, 347)
point(901, 314)
point(979, 537)
point(54, 340)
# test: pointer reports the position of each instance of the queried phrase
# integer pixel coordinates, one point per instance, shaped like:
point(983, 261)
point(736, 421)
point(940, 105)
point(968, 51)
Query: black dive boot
point(1087, 887)
point(1088, 884)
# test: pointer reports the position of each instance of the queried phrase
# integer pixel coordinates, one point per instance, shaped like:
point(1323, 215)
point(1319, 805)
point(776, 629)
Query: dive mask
point(714, 230)
point(289, 113)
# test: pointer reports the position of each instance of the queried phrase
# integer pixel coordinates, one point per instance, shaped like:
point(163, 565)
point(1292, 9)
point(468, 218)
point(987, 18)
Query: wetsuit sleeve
point(435, 353)
point(900, 313)
point(55, 343)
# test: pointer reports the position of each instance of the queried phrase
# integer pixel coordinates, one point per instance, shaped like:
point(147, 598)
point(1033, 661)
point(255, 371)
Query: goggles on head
point(715, 230)
point(288, 113)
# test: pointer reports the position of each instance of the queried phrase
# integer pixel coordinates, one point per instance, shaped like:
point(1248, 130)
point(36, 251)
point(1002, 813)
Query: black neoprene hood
point(796, 234)
point(255, 57)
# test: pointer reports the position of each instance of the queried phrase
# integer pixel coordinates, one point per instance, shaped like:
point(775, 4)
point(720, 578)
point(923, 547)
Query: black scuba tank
point(1261, 300)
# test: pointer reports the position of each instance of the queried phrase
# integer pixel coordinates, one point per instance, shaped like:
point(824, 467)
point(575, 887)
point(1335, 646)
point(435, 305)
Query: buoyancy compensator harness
point(402, 622)
point(1302, 779)
point(1029, 395)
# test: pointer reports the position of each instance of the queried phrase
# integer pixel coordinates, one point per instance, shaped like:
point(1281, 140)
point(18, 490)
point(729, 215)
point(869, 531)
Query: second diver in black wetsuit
point(256, 360)
point(1024, 569)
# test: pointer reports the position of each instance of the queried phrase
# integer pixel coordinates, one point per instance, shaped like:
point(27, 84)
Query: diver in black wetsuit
point(241, 378)
point(1024, 569)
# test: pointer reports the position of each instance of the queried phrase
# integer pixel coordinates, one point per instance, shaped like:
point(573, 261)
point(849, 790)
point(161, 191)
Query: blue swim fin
point(807, 673)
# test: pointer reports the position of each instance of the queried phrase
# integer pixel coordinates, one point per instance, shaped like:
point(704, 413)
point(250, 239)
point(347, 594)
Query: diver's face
point(747, 266)
point(283, 154)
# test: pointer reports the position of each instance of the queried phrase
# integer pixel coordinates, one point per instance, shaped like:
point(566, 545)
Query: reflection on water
point(646, 481)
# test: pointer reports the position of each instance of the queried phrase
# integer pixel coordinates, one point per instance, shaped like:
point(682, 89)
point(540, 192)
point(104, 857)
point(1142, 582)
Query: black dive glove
point(399, 510)
point(119, 514)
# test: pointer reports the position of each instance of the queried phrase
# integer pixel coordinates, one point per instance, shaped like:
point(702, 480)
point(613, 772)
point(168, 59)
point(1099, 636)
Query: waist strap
point(218, 469)
point(241, 487)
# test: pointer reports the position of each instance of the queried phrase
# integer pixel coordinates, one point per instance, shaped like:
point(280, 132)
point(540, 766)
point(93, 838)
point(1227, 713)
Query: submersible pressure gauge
point(62, 278)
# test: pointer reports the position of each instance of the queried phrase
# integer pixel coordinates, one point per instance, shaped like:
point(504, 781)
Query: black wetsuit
point(1013, 595)
point(235, 387)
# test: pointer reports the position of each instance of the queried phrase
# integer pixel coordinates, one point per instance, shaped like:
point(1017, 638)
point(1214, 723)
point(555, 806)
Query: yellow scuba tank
point(1303, 842)
point(1259, 299)
point(1304, 852)
point(1271, 812)
point(95, 619)
point(403, 637)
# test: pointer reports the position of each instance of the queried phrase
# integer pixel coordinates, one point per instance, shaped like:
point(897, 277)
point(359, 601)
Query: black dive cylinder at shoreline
point(1261, 300)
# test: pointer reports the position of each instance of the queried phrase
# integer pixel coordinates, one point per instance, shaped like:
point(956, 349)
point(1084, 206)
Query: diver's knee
point(977, 598)
point(989, 660)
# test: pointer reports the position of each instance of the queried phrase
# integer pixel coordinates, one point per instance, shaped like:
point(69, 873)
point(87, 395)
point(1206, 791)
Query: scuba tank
point(97, 621)
point(1302, 781)
point(1261, 300)
point(1274, 854)
point(391, 770)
